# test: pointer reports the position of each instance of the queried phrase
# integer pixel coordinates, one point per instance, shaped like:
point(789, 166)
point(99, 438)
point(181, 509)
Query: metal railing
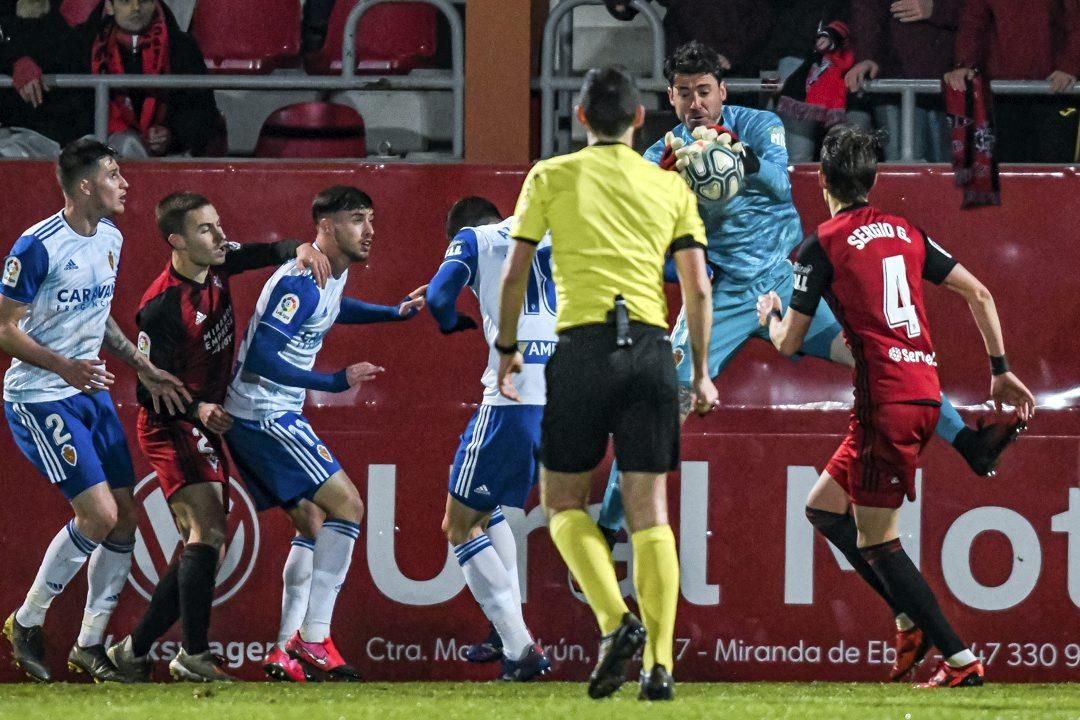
point(548, 83)
point(102, 84)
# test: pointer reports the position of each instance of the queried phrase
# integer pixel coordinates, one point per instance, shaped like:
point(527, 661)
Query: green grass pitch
point(542, 701)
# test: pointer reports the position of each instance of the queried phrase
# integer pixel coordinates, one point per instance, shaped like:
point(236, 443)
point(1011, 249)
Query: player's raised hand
point(214, 418)
point(510, 365)
point(308, 257)
point(1006, 389)
point(87, 375)
point(414, 302)
point(766, 305)
point(165, 389)
point(362, 372)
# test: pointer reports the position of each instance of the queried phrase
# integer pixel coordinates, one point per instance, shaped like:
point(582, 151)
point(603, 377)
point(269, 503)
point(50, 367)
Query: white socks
point(502, 539)
point(297, 587)
point(329, 566)
point(962, 658)
point(490, 584)
point(64, 557)
point(106, 575)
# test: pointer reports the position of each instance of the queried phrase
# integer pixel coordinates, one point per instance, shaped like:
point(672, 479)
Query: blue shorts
point(497, 462)
point(76, 442)
point(281, 460)
point(735, 321)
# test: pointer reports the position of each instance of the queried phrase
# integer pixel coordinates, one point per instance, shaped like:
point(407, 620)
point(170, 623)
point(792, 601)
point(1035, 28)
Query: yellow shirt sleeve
point(529, 220)
point(688, 223)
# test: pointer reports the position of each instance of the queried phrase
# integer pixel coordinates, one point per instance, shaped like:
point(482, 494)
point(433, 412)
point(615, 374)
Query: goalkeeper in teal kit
point(750, 238)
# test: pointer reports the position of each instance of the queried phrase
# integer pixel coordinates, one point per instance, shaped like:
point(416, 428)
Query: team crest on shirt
point(70, 455)
point(287, 308)
point(12, 270)
point(143, 343)
point(678, 353)
point(112, 261)
point(324, 453)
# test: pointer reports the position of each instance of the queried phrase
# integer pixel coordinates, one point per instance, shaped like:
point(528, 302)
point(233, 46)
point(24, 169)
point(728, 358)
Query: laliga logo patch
point(157, 540)
point(678, 355)
point(112, 261)
point(143, 343)
point(324, 453)
point(287, 308)
point(69, 454)
point(12, 270)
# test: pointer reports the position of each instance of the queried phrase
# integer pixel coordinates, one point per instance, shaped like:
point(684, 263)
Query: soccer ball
point(714, 171)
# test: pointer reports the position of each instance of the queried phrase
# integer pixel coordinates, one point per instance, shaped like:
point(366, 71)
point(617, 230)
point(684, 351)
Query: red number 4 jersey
point(868, 265)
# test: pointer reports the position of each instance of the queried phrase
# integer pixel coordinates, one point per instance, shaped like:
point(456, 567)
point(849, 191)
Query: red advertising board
point(762, 598)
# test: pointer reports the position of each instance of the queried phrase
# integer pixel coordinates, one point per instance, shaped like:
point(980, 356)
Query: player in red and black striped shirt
point(868, 265)
point(186, 323)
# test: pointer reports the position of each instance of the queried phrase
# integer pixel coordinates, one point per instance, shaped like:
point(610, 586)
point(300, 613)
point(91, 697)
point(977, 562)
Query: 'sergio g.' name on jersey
point(869, 267)
point(67, 281)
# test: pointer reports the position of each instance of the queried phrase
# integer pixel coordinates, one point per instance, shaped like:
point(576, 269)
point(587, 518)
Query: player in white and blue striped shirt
point(55, 301)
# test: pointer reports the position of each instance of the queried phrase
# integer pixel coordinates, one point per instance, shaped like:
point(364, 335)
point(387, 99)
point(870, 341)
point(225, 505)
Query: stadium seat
point(313, 130)
point(232, 43)
point(76, 12)
point(391, 39)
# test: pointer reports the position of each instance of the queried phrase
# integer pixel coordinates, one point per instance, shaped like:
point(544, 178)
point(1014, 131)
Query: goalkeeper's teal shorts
point(735, 321)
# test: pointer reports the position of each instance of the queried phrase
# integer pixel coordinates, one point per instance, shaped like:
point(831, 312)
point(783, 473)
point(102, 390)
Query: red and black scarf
point(107, 58)
point(974, 135)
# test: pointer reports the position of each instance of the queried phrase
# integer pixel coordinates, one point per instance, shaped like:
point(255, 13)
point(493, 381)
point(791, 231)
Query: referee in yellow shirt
point(613, 217)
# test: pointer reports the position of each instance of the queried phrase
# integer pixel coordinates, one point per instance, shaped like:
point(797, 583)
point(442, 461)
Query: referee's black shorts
point(595, 389)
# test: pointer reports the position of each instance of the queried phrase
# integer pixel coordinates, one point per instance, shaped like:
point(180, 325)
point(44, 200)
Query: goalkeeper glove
point(727, 136)
point(672, 144)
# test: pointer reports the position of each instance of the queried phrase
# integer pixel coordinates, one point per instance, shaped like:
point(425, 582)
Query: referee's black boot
point(616, 649)
point(982, 448)
point(28, 649)
point(657, 684)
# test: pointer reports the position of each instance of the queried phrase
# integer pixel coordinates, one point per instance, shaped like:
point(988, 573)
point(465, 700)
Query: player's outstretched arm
point(511, 296)
point(358, 312)
point(1005, 387)
point(166, 390)
point(86, 375)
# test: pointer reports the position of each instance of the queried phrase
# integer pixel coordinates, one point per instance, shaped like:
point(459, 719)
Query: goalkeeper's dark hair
point(337, 198)
point(693, 58)
point(610, 100)
point(470, 211)
point(849, 158)
point(171, 212)
point(79, 160)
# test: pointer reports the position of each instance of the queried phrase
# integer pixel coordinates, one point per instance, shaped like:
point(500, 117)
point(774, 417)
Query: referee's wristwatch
point(505, 349)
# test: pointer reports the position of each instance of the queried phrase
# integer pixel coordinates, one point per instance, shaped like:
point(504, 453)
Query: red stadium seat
point(313, 130)
point(391, 39)
point(247, 36)
point(76, 12)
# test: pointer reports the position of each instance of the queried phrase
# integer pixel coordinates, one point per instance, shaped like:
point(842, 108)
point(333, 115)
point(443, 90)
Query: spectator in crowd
point(737, 29)
point(141, 37)
point(38, 122)
point(793, 22)
point(814, 97)
point(1024, 40)
point(911, 39)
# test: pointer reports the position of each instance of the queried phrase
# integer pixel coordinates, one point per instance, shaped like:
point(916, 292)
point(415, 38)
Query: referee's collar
point(604, 143)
